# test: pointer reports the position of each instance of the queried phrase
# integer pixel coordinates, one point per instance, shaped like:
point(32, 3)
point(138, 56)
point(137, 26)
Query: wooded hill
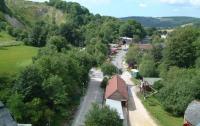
point(163, 22)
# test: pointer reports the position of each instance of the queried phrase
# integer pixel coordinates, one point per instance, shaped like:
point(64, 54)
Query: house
point(117, 90)
point(192, 114)
point(116, 96)
point(5, 117)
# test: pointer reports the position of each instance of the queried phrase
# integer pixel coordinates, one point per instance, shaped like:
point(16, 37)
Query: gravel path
point(94, 95)
point(138, 115)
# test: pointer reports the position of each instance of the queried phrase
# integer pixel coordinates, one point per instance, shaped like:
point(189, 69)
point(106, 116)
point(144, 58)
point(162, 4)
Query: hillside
point(163, 22)
point(28, 12)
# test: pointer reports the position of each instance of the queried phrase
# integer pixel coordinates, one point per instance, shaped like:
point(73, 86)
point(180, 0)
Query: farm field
point(13, 58)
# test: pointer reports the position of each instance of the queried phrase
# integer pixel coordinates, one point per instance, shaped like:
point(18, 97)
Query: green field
point(14, 58)
point(7, 40)
point(162, 117)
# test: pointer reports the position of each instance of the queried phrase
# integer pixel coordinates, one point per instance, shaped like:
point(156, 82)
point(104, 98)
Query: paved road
point(94, 95)
point(117, 61)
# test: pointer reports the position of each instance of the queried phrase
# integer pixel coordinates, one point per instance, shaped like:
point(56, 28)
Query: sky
point(150, 8)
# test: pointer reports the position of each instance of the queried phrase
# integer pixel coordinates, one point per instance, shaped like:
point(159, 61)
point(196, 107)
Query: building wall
point(117, 96)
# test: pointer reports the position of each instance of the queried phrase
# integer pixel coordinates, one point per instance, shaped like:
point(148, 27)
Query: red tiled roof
point(116, 83)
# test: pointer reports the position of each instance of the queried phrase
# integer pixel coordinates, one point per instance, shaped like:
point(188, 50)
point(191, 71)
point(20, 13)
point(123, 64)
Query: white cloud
point(143, 5)
point(185, 2)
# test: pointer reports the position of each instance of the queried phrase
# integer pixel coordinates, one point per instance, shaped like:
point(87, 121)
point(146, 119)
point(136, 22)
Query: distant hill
point(163, 22)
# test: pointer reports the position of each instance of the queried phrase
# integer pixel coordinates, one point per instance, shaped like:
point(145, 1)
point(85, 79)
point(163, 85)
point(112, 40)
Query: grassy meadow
point(14, 58)
point(162, 117)
point(7, 40)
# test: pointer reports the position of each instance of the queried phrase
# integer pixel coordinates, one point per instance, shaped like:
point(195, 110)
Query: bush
point(109, 69)
point(180, 87)
point(147, 67)
point(104, 82)
point(158, 85)
point(102, 117)
point(133, 55)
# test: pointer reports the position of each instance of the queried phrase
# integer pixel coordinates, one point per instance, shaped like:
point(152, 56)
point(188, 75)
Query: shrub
point(158, 85)
point(180, 87)
point(104, 82)
point(102, 117)
point(147, 67)
point(109, 69)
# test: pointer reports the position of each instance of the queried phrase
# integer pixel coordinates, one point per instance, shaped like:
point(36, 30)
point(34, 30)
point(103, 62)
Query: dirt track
point(138, 115)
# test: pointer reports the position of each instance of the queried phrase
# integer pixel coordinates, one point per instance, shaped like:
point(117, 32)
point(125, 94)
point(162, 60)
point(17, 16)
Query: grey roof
point(5, 117)
point(192, 113)
point(151, 81)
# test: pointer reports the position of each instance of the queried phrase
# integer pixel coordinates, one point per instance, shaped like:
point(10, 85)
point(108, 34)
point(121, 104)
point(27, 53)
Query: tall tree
point(179, 50)
point(38, 34)
point(130, 28)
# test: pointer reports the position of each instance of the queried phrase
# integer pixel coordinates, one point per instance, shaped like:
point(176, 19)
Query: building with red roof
point(117, 89)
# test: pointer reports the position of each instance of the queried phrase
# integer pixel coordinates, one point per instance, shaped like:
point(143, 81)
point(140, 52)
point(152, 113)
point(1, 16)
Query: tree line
point(176, 61)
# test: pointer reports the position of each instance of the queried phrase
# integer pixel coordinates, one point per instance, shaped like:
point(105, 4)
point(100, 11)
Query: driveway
point(94, 95)
point(138, 115)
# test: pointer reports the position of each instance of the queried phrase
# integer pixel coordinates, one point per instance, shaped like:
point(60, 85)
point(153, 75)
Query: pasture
point(7, 40)
point(14, 58)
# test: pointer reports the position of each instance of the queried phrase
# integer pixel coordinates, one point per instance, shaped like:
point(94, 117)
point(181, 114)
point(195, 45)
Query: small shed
point(117, 90)
point(151, 81)
point(5, 117)
point(135, 73)
point(192, 114)
point(116, 105)
point(126, 40)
